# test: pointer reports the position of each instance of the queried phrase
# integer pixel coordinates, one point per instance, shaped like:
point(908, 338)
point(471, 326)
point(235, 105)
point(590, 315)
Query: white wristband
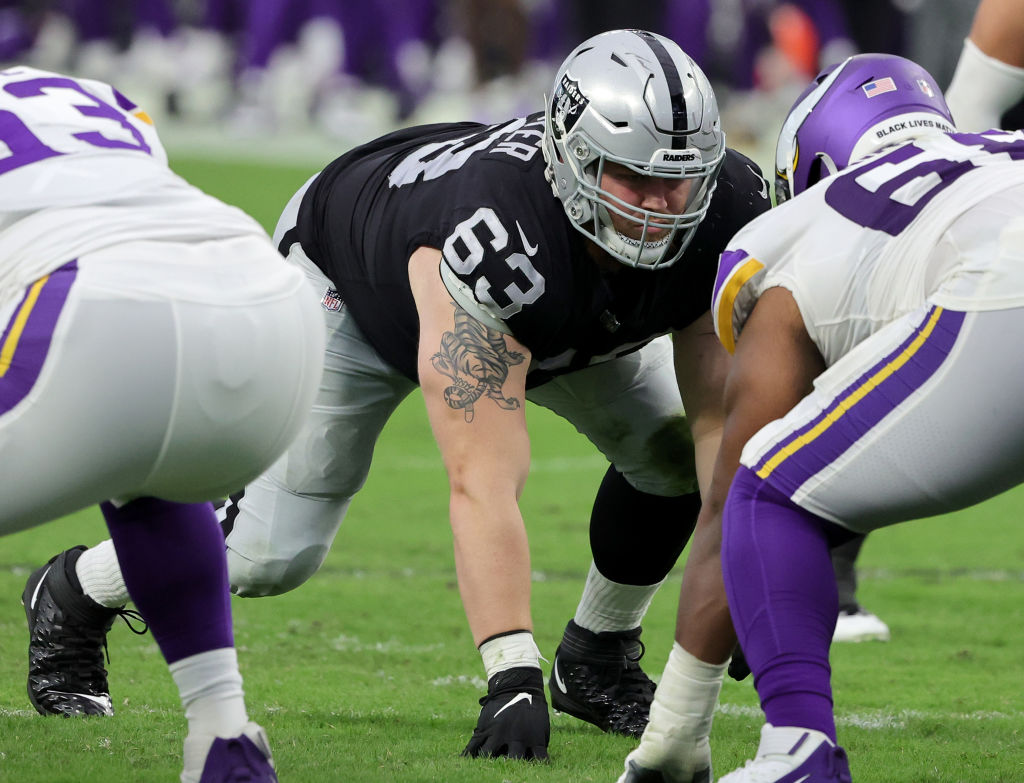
point(508, 652)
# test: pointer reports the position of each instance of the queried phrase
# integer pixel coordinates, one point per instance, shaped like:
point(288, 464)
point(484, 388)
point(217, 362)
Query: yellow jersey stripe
point(18, 325)
point(737, 280)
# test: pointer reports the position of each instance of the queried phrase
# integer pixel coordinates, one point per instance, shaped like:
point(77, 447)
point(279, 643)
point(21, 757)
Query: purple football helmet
point(852, 109)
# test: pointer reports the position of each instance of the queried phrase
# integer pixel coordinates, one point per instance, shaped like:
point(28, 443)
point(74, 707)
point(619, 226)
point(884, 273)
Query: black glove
point(738, 668)
point(514, 718)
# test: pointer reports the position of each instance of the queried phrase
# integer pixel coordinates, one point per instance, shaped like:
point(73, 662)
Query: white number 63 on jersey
point(465, 249)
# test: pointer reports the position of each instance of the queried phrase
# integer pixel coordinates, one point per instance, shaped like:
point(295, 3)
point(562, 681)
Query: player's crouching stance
point(567, 258)
point(883, 289)
point(155, 353)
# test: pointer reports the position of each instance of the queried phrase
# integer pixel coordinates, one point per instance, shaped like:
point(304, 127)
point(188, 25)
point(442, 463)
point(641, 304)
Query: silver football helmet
point(636, 99)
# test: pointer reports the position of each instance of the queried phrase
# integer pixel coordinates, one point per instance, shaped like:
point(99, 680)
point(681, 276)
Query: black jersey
point(510, 255)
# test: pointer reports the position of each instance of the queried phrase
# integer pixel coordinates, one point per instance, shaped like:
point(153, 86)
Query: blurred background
point(295, 78)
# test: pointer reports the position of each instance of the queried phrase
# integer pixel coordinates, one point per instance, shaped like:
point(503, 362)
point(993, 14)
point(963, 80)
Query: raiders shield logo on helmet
point(569, 104)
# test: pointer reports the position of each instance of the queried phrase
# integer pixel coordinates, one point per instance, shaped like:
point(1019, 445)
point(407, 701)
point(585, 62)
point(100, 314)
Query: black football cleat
point(597, 678)
point(67, 640)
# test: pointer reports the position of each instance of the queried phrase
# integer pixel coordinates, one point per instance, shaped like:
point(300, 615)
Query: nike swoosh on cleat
point(521, 697)
point(805, 777)
point(39, 586)
point(103, 701)
point(558, 679)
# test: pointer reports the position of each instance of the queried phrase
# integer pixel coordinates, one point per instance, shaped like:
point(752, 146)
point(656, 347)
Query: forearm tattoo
point(476, 359)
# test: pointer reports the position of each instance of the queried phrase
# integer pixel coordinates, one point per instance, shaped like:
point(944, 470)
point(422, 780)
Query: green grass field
point(368, 672)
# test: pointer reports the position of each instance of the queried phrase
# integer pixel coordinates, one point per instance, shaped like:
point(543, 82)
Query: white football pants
point(924, 417)
point(172, 370)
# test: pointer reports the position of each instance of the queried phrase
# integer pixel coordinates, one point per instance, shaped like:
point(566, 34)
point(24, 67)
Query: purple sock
point(173, 561)
point(783, 600)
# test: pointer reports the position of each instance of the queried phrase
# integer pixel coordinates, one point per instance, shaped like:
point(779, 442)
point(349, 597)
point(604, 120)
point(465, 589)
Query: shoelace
point(128, 615)
point(131, 614)
point(634, 682)
point(635, 685)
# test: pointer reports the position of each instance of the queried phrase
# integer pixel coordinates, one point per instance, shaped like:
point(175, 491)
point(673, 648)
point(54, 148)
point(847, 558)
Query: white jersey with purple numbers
point(891, 251)
point(908, 270)
point(82, 168)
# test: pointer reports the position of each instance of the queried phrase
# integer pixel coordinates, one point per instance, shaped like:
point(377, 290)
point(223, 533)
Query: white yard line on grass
point(880, 719)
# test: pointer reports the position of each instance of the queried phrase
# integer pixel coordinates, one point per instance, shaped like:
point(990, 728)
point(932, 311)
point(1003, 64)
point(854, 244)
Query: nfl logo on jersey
point(332, 300)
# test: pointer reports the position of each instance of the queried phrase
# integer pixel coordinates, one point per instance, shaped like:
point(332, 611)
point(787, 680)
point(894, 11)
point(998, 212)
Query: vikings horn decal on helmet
point(855, 108)
point(636, 99)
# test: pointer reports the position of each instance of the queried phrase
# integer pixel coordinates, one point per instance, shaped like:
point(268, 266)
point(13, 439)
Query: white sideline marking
point(5, 713)
point(460, 679)
point(345, 643)
point(877, 719)
point(935, 574)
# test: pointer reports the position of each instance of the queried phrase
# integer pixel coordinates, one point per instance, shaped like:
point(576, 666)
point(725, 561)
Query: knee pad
point(636, 537)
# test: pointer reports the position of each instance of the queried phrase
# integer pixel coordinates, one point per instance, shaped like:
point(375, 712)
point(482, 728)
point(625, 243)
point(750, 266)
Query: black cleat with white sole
point(67, 639)
point(597, 678)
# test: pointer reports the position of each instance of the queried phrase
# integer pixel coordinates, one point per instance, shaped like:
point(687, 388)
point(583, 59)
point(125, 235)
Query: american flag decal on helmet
point(879, 87)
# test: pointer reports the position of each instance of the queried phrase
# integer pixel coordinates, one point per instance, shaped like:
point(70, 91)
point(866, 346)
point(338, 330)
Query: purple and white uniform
point(152, 340)
point(911, 300)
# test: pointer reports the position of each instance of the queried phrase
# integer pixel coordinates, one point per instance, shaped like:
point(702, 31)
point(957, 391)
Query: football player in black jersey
point(568, 258)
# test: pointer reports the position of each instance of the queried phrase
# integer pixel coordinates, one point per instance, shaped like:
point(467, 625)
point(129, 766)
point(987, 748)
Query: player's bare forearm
point(774, 367)
point(473, 379)
point(492, 561)
point(703, 625)
point(998, 30)
point(487, 458)
point(702, 365)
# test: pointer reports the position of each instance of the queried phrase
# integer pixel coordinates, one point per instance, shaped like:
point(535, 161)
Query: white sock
point(982, 89)
point(676, 739)
point(211, 692)
point(210, 686)
point(611, 606)
point(508, 652)
point(100, 575)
